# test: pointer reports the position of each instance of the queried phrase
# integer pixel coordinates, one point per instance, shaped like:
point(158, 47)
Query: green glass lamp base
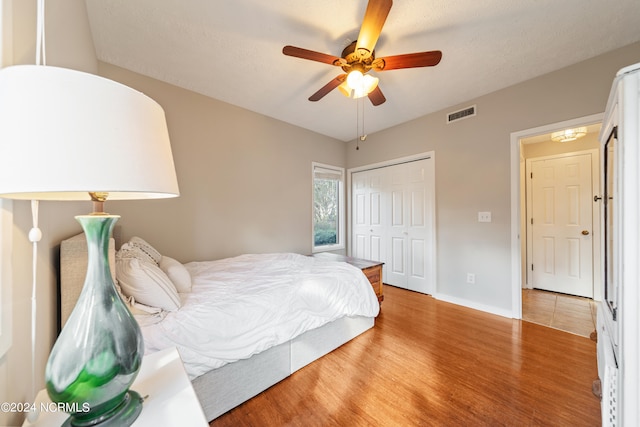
point(99, 351)
point(123, 416)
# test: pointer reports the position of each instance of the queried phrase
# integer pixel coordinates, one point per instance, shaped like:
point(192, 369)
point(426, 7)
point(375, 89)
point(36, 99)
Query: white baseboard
point(474, 305)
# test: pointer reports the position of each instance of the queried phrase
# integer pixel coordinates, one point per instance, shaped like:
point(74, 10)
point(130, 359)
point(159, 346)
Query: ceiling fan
point(359, 58)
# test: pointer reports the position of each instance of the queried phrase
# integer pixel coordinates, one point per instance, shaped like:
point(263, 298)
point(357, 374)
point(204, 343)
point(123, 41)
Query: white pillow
point(128, 250)
point(145, 247)
point(177, 273)
point(143, 314)
point(144, 280)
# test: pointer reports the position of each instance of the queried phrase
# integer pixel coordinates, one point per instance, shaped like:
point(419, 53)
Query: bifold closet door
point(393, 222)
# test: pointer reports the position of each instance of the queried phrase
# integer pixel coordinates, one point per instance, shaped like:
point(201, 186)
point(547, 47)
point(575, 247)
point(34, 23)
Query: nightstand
point(371, 269)
point(169, 397)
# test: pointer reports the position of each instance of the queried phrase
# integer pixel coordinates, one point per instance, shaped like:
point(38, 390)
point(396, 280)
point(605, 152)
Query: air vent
point(461, 114)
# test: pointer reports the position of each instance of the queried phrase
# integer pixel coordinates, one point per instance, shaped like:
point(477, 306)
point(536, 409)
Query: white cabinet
point(619, 312)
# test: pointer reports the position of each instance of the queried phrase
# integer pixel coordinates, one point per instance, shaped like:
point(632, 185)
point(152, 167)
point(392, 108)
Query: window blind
point(320, 172)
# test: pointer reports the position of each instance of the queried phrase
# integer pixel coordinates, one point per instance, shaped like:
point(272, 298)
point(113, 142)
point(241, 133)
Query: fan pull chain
point(357, 125)
point(363, 135)
point(360, 118)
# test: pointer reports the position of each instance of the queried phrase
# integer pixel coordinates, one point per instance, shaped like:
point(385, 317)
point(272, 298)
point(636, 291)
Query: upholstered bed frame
point(224, 388)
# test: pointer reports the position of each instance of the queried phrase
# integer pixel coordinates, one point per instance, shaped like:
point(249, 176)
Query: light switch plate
point(484, 216)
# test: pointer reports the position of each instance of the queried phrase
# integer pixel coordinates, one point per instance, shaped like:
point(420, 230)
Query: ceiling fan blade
point(409, 60)
point(376, 97)
point(374, 18)
point(328, 88)
point(299, 52)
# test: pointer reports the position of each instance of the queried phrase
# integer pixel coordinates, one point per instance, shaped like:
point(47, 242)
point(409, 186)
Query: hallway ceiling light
point(569, 134)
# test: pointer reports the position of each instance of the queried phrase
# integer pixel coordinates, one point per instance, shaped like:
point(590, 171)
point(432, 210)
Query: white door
point(562, 225)
point(367, 215)
point(397, 232)
point(392, 222)
point(409, 229)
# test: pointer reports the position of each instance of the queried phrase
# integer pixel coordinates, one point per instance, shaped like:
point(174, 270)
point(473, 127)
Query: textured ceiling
point(232, 50)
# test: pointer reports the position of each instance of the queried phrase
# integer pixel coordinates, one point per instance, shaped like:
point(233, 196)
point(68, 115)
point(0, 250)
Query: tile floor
point(569, 313)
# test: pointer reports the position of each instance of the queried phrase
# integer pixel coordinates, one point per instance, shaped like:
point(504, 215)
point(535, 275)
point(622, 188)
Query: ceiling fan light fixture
point(359, 56)
point(361, 84)
point(568, 135)
point(354, 79)
point(369, 83)
point(345, 89)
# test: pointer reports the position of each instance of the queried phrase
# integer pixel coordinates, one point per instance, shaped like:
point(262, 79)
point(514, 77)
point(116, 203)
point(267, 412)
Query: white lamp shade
point(65, 133)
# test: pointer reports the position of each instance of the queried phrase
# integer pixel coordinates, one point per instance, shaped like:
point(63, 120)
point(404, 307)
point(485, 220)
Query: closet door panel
point(417, 258)
point(368, 217)
point(397, 264)
point(417, 231)
point(360, 209)
point(416, 209)
point(376, 248)
point(397, 208)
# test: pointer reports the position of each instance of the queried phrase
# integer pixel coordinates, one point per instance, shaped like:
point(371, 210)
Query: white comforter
point(243, 305)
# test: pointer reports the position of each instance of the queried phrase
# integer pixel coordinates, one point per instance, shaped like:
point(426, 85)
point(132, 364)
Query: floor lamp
point(69, 135)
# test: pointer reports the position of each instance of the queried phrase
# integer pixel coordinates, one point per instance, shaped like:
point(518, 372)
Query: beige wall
point(473, 169)
point(245, 180)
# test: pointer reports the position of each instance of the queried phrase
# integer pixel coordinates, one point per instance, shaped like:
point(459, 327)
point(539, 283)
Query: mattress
point(244, 305)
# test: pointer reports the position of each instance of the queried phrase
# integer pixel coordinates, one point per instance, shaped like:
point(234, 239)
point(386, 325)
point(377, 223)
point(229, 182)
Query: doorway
point(560, 220)
point(533, 143)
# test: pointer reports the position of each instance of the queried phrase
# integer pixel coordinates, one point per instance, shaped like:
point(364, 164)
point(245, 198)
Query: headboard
point(73, 270)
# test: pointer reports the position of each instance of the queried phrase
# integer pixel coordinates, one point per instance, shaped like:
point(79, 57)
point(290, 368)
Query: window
point(328, 207)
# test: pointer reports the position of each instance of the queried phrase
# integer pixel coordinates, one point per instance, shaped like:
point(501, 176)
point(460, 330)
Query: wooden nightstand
point(371, 269)
point(170, 398)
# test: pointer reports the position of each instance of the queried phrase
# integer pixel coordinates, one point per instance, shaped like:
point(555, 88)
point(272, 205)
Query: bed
point(227, 318)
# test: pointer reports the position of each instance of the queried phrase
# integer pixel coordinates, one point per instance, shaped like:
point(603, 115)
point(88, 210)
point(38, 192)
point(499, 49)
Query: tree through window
point(328, 211)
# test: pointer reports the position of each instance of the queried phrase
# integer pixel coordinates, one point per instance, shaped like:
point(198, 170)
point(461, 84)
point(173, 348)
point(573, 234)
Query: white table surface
point(169, 396)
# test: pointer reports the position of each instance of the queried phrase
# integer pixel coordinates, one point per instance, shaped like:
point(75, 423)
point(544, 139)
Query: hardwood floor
point(430, 363)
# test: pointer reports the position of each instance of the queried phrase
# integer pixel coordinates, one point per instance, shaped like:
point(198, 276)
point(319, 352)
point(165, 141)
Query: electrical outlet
point(471, 278)
point(484, 216)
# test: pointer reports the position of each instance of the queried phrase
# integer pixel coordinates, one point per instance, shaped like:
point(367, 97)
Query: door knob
point(585, 232)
